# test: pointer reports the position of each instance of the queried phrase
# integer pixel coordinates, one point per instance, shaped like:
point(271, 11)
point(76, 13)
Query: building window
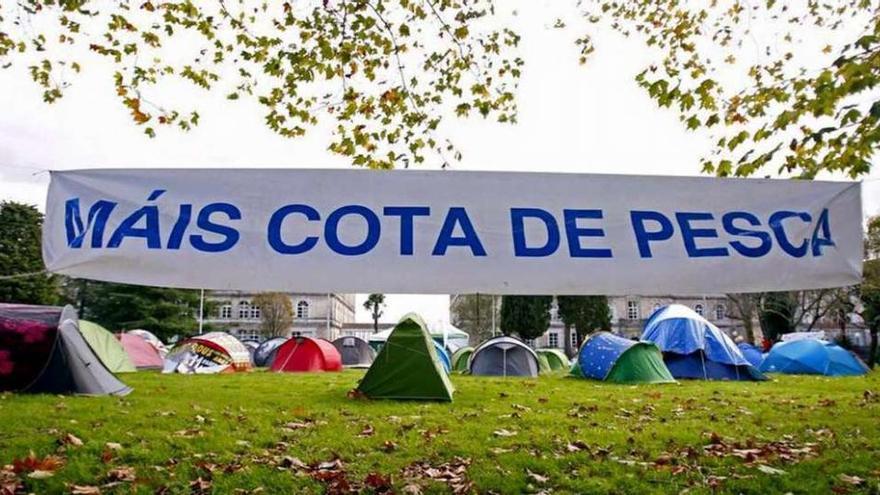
point(553, 340)
point(255, 312)
point(574, 339)
point(248, 335)
point(296, 334)
point(226, 311)
point(632, 310)
point(244, 309)
point(656, 308)
point(699, 309)
point(720, 312)
point(302, 309)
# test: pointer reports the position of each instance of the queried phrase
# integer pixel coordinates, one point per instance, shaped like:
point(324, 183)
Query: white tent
point(443, 332)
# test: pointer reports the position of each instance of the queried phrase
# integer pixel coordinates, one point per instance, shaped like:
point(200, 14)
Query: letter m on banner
point(95, 222)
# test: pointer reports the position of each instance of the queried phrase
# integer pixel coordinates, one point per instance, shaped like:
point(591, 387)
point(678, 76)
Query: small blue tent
point(751, 353)
point(812, 357)
point(443, 355)
point(607, 357)
point(694, 348)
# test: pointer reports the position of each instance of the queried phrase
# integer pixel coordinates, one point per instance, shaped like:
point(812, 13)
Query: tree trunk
point(567, 336)
point(375, 322)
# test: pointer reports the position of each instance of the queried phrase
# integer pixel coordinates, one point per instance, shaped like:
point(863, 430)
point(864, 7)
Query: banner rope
point(23, 275)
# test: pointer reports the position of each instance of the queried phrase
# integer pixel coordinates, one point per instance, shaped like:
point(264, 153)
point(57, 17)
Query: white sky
point(572, 118)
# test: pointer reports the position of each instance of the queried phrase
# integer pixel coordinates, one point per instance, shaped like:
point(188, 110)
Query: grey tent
point(265, 354)
point(355, 352)
point(43, 351)
point(503, 356)
point(252, 346)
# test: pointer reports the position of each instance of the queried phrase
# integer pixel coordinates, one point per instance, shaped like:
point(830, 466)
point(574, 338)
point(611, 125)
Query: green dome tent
point(556, 359)
point(460, 359)
point(407, 367)
point(107, 347)
point(543, 363)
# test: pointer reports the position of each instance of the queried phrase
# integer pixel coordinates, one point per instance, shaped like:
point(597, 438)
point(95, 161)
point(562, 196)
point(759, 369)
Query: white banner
point(451, 232)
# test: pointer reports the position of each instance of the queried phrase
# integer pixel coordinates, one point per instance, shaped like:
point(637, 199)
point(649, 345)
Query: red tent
point(305, 354)
point(142, 353)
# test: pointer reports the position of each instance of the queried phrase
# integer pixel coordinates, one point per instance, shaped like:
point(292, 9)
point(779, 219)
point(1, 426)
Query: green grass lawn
point(266, 432)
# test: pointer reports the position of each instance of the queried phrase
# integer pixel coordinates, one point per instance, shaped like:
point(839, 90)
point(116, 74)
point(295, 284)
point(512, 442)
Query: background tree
point(382, 73)
point(374, 304)
point(586, 314)
point(755, 74)
point(777, 314)
point(20, 253)
point(526, 316)
point(165, 312)
point(869, 291)
point(276, 313)
point(473, 314)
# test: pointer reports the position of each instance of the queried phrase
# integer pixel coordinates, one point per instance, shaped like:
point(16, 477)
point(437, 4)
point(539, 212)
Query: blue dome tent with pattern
point(607, 357)
point(695, 348)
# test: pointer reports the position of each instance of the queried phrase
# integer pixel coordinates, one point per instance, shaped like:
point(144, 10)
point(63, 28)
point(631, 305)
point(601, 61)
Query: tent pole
point(201, 310)
point(493, 315)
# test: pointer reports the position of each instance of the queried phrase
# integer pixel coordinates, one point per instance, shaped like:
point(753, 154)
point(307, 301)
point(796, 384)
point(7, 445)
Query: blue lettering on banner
point(406, 214)
point(517, 221)
point(644, 237)
point(331, 230)
point(766, 243)
point(205, 223)
point(277, 220)
point(575, 233)
point(691, 234)
point(469, 238)
point(211, 229)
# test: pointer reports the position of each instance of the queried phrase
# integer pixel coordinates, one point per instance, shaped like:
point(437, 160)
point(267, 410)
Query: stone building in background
point(314, 315)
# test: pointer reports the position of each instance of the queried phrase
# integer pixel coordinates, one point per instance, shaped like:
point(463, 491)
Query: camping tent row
point(812, 357)
point(123, 353)
point(350, 352)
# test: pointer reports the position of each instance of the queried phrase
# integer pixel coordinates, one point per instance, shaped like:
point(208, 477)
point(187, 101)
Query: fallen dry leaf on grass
point(32, 463)
point(453, 474)
point(852, 480)
point(122, 473)
point(378, 483)
point(536, 478)
point(503, 433)
point(388, 446)
point(70, 439)
point(367, 431)
point(200, 486)
point(85, 490)
point(770, 470)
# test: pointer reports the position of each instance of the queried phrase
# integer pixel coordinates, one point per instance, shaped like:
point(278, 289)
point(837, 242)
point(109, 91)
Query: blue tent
point(812, 357)
point(751, 353)
point(694, 348)
point(443, 355)
point(607, 357)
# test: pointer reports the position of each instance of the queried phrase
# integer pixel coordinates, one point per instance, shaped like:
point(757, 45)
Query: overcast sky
point(572, 118)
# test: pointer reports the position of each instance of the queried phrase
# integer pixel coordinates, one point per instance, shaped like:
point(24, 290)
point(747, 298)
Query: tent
point(454, 338)
point(504, 356)
point(106, 346)
point(265, 353)
point(355, 352)
point(610, 358)
point(407, 367)
point(251, 346)
point(306, 354)
point(694, 348)
point(151, 338)
point(43, 351)
point(751, 353)
point(212, 352)
point(460, 359)
point(142, 353)
point(556, 359)
point(812, 357)
point(443, 356)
